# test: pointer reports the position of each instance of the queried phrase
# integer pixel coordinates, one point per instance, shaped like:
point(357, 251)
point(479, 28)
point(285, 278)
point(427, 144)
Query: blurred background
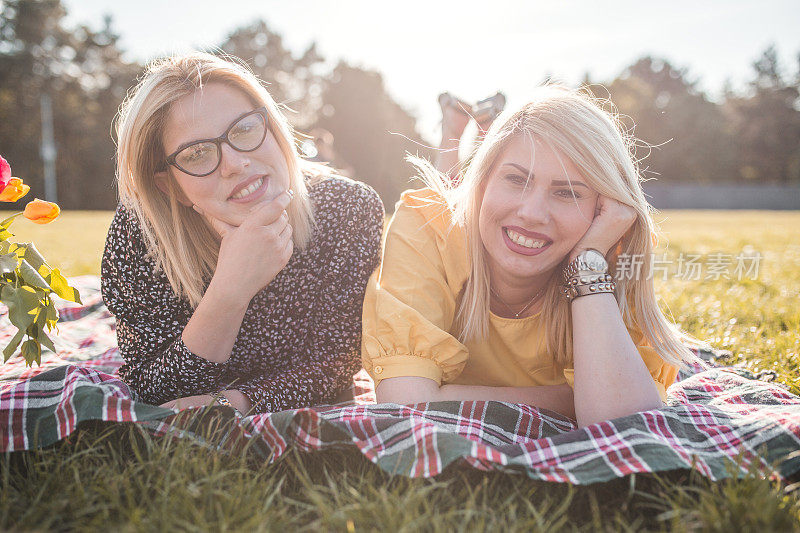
point(712, 88)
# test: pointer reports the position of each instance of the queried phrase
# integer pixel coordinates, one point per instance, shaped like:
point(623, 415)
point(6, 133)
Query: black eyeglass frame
point(170, 159)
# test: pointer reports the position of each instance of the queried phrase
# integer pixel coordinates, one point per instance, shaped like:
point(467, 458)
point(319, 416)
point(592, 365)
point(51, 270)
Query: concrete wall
point(722, 196)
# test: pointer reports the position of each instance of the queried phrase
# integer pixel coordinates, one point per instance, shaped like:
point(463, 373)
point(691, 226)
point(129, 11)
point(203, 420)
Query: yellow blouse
point(410, 305)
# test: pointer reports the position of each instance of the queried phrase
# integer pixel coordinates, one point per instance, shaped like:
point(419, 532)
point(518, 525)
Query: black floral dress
point(299, 341)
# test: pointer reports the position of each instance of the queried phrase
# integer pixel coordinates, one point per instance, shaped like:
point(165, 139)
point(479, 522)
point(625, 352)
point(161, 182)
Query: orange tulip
point(14, 190)
point(41, 212)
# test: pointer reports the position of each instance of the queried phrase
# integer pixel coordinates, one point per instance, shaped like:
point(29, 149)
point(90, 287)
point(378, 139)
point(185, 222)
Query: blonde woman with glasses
point(235, 269)
point(503, 287)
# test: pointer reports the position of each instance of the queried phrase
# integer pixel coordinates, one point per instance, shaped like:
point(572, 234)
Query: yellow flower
point(14, 190)
point(41, 212)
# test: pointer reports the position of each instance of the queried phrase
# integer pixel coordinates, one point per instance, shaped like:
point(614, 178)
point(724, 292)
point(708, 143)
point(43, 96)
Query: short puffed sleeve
point(410, 301)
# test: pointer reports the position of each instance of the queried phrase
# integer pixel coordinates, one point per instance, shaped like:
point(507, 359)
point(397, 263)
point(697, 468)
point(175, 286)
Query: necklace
point(516, 315)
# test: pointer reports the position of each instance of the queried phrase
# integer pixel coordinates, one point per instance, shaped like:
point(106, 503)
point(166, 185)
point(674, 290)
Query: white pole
point(48, 150)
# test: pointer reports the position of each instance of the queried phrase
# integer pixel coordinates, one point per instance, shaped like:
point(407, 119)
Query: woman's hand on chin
point(252, 254)
point(612, 220)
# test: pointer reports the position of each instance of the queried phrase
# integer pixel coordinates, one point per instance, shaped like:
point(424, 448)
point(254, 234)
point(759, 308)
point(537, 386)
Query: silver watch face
point(594, 260)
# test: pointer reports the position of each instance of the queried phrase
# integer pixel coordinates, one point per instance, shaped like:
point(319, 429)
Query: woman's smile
point(242, 178)
point(250, 190)
point(534, 210)
point(525, 243)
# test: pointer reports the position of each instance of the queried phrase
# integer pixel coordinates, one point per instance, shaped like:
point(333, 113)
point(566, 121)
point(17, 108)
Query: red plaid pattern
point(714, 417)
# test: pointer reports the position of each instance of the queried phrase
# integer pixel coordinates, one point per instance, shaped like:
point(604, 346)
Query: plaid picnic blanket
point(718, 421)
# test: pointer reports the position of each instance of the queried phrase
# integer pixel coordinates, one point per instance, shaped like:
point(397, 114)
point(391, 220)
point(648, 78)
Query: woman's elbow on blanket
point(407, 390)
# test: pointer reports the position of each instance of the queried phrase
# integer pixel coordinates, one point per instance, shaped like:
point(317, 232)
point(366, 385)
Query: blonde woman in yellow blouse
point(470, 302)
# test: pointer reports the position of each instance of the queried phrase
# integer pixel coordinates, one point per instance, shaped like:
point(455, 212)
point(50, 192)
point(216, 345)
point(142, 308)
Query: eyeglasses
point(203, 157)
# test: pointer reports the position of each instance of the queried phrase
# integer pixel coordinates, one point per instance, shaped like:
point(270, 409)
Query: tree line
point(750, 136)
point(685, 137)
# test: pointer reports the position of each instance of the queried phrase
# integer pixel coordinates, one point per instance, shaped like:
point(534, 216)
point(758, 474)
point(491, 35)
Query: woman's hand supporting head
point(252, 254)
point(611, 221)
point(554, 178)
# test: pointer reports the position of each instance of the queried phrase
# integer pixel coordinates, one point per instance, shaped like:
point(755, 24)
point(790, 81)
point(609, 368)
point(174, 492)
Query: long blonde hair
point(574, 123)
point(181, 241)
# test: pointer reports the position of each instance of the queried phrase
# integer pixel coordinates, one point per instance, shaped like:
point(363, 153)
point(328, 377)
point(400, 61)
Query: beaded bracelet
point(584, 285)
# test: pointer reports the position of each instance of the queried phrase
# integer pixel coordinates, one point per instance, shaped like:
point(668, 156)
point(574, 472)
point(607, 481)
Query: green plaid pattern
point(715, 417)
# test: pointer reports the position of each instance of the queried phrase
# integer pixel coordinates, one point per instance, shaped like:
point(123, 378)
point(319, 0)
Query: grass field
point(121, 479)
point(72, 243)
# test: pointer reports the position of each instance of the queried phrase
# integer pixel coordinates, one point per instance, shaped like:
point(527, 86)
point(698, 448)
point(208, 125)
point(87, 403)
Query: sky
point(475, 48)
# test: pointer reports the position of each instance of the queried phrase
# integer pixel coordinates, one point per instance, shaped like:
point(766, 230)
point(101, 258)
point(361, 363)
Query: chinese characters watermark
point(690, 266)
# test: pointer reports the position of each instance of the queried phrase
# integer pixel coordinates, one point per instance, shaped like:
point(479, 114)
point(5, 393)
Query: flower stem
point(7, 222)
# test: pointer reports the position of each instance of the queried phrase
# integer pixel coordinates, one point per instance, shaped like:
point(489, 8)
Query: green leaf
point(52, 315)
point(40, 317)
point(32, 351)
point(9, 350)
point(8, 263)
point(44, 339)
point(20, 302)
point(60, 286)
point(5, 234)
point(36, 331)
point(31, 276)
point(32, 255)
point(44, 271)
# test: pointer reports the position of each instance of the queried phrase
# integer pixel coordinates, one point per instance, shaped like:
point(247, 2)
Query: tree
point(767, 123)
point(371, 131)
point(292, 81)
point(83, 72)
point(685, 137)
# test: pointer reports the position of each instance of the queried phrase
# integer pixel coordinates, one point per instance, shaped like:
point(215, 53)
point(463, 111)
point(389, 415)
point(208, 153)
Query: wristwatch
point(222, 400)
point(587, 274)
point(588, 263)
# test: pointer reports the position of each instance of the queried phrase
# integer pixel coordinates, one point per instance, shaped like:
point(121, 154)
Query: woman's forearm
point(556, 398)
point(215, 324)
point(611, 380)
point(408, 390)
